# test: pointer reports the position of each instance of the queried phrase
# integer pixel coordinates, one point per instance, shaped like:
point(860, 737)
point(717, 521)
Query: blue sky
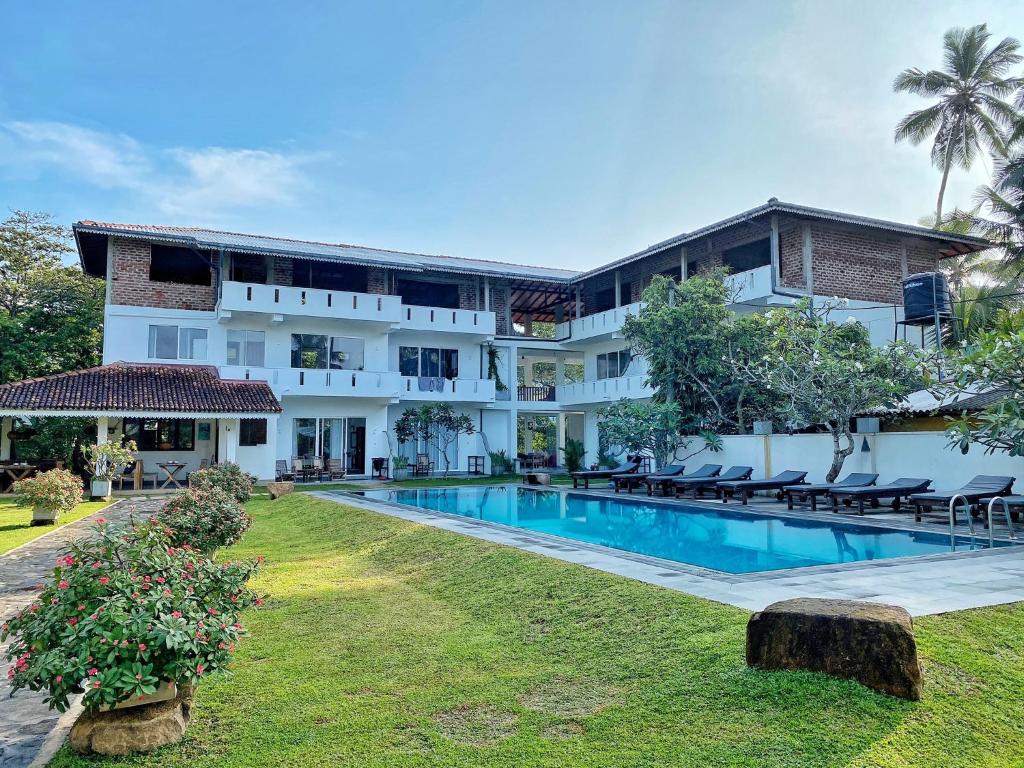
point(559, 133)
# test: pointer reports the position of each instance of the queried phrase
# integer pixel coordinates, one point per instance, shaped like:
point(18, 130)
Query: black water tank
point(923, 294)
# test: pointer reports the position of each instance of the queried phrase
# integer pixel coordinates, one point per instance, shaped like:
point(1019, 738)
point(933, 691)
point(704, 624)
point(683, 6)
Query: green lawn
point(14, 522)
point(387, 644)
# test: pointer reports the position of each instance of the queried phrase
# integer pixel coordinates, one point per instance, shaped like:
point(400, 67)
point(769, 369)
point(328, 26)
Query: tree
point(687, 333)
point(994, 362)
point(971, 111)
point(650, 429)
point(436, 424)
point(825, 373)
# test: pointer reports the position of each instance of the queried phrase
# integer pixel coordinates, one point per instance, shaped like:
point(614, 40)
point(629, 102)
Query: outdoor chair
point(631, 480)
point(698, 485)
point(632, 465)
point(136, 477)
point(423, 466)
point(281, 471)
point(897, 489)
point(299, 471)
point(335, 469)
point(317, 468)
point(744, 488)
point(811, 491)
point(665, 481)
point(981, 486)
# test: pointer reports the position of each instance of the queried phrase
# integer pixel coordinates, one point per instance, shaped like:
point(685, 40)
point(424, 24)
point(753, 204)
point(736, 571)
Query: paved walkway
point(923, 585)
point(25, 721)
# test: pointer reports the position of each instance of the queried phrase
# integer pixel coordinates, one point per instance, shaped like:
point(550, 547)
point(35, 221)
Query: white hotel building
point(347, 337)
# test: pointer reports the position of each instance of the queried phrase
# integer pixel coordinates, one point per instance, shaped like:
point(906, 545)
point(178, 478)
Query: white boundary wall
point(891, 455)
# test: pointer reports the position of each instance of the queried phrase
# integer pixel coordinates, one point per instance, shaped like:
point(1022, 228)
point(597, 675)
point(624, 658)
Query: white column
point(513, 433)
point(6, 425)
point(618, 288)
point(774, 245)
point(579, 303)
point(559, 371)
point(684, 265)
point(561, 438)
point(102, 429)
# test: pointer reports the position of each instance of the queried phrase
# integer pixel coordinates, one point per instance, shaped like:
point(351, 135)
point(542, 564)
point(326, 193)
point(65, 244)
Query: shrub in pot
point(49, 494)
point(109, 459)
point(126, 612)
point(228, 477)
point(204, 517)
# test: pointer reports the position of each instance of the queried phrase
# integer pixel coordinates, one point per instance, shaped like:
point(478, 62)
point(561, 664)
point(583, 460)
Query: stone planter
point(138, 728)
point(43, 516)
point(280, 488)
point(400, 474)
point(101, 489)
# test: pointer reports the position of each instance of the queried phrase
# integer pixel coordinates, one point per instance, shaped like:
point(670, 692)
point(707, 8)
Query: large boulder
point(136, 729)
point(871, 643)
point(280, 488)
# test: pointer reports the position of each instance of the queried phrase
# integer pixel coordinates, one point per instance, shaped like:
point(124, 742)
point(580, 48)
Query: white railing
point(751, 285)
point(601, 390)
point(319, 381)
point(310, 302)
point(453, 320)
point(602, 323)
point(451, 390)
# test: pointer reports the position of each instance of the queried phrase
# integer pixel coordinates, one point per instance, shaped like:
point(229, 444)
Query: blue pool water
point(723, 540)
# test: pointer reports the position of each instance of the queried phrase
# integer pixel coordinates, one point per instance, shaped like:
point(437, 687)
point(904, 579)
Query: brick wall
point(791, 255)
point(467, 295)
point(131, 284)
point(282, 271)
point(377, 281)
point(500, 293)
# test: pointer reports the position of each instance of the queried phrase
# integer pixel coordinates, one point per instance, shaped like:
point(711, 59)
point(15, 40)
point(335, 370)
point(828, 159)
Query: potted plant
point(49, 494)
point(501, 464)
point(400, 467)
point(108, 459)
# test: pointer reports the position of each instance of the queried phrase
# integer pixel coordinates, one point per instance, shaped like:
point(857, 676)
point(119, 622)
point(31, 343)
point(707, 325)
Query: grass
point(15, 529)
point(387, 644)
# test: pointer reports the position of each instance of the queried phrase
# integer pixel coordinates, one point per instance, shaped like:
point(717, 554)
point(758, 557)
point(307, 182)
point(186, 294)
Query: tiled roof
point(212, 239)
point(140, 387)
point(925, 403)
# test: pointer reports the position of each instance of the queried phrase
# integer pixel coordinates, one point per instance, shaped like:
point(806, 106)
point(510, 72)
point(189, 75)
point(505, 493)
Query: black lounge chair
point(631, 480)
point(811, 491)
point(632, 465)
point(981, 486)
point(744, 488)
point(698, 485)
point(664, 481)
point(897, 489)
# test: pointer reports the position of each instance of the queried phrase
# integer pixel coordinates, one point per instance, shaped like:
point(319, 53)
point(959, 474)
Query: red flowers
point(175, 614)
point(72, 621)
point(142, 647)
point(104, 580)
point(63, 584)
point(93, 672)
point(200, 669)
point(100, 520)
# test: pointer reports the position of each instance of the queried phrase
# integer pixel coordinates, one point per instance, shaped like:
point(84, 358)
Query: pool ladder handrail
point(1006, 512)
point(952, 518)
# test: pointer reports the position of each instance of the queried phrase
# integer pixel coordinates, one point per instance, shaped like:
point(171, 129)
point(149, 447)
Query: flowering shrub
point(109, 458)
point(56, 491)
point(228, 477)
point(125, 612)
point(204, 517)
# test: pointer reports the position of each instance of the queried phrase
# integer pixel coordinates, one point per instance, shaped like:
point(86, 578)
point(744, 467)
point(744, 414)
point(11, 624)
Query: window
point(424, 294)
point(330, 276)
point(246, 348)
point(346, 353)
point(611, 365)
point(170, 264)
point(252, 432)
point(161, 434)
point(428, 361)
point(169, 342)
point(309, 350)
point(248, 268)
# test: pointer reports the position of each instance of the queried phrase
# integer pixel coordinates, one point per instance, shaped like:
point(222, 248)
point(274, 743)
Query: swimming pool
point(722, 540)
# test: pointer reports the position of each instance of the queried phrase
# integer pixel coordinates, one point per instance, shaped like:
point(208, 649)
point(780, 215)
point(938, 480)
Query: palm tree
point(970, 111)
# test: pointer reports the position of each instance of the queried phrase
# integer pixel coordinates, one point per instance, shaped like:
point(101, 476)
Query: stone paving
point(25, 721)
point(923, 585)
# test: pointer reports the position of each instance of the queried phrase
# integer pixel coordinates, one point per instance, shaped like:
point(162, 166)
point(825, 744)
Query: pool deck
point(923, 585)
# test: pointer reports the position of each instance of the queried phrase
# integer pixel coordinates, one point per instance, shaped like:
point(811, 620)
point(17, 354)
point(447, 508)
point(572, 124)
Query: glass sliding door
point(343, 439)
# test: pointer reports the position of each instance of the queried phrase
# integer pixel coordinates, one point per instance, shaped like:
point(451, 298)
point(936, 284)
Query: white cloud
point(202, 183)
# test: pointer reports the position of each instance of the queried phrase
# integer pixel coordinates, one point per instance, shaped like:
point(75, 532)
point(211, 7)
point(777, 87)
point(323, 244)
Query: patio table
point(171, 469)
point(17, 472)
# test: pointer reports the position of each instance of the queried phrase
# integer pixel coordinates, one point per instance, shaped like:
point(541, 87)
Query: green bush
point(205, 517)
point(56, 491)
point(125, 612)
point(228, 477)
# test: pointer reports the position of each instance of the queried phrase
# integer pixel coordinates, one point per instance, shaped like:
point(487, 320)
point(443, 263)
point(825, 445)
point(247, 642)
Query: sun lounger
point(664, 481)
point(697, 486)
point(811, 491)
point(632, 465)
point(631, 480)
point(744, 488)
point(980, 487)
point(897, 489)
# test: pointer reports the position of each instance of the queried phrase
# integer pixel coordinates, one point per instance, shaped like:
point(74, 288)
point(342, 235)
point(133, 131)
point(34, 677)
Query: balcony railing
point(450, 390)
point(471, 321)
point(600, 390)
point(319, 381)
point(536, 394)
point(750, 285)
point(604, 323)
point(309, 302)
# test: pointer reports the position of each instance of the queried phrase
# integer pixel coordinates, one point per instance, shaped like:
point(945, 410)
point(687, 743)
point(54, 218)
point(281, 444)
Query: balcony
point(308, 302)
point(469, 321)
point(753, 285)
point(320, 382)
point(602, 325)
point(603, 390)
point(449, 390)
point(542, 394)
